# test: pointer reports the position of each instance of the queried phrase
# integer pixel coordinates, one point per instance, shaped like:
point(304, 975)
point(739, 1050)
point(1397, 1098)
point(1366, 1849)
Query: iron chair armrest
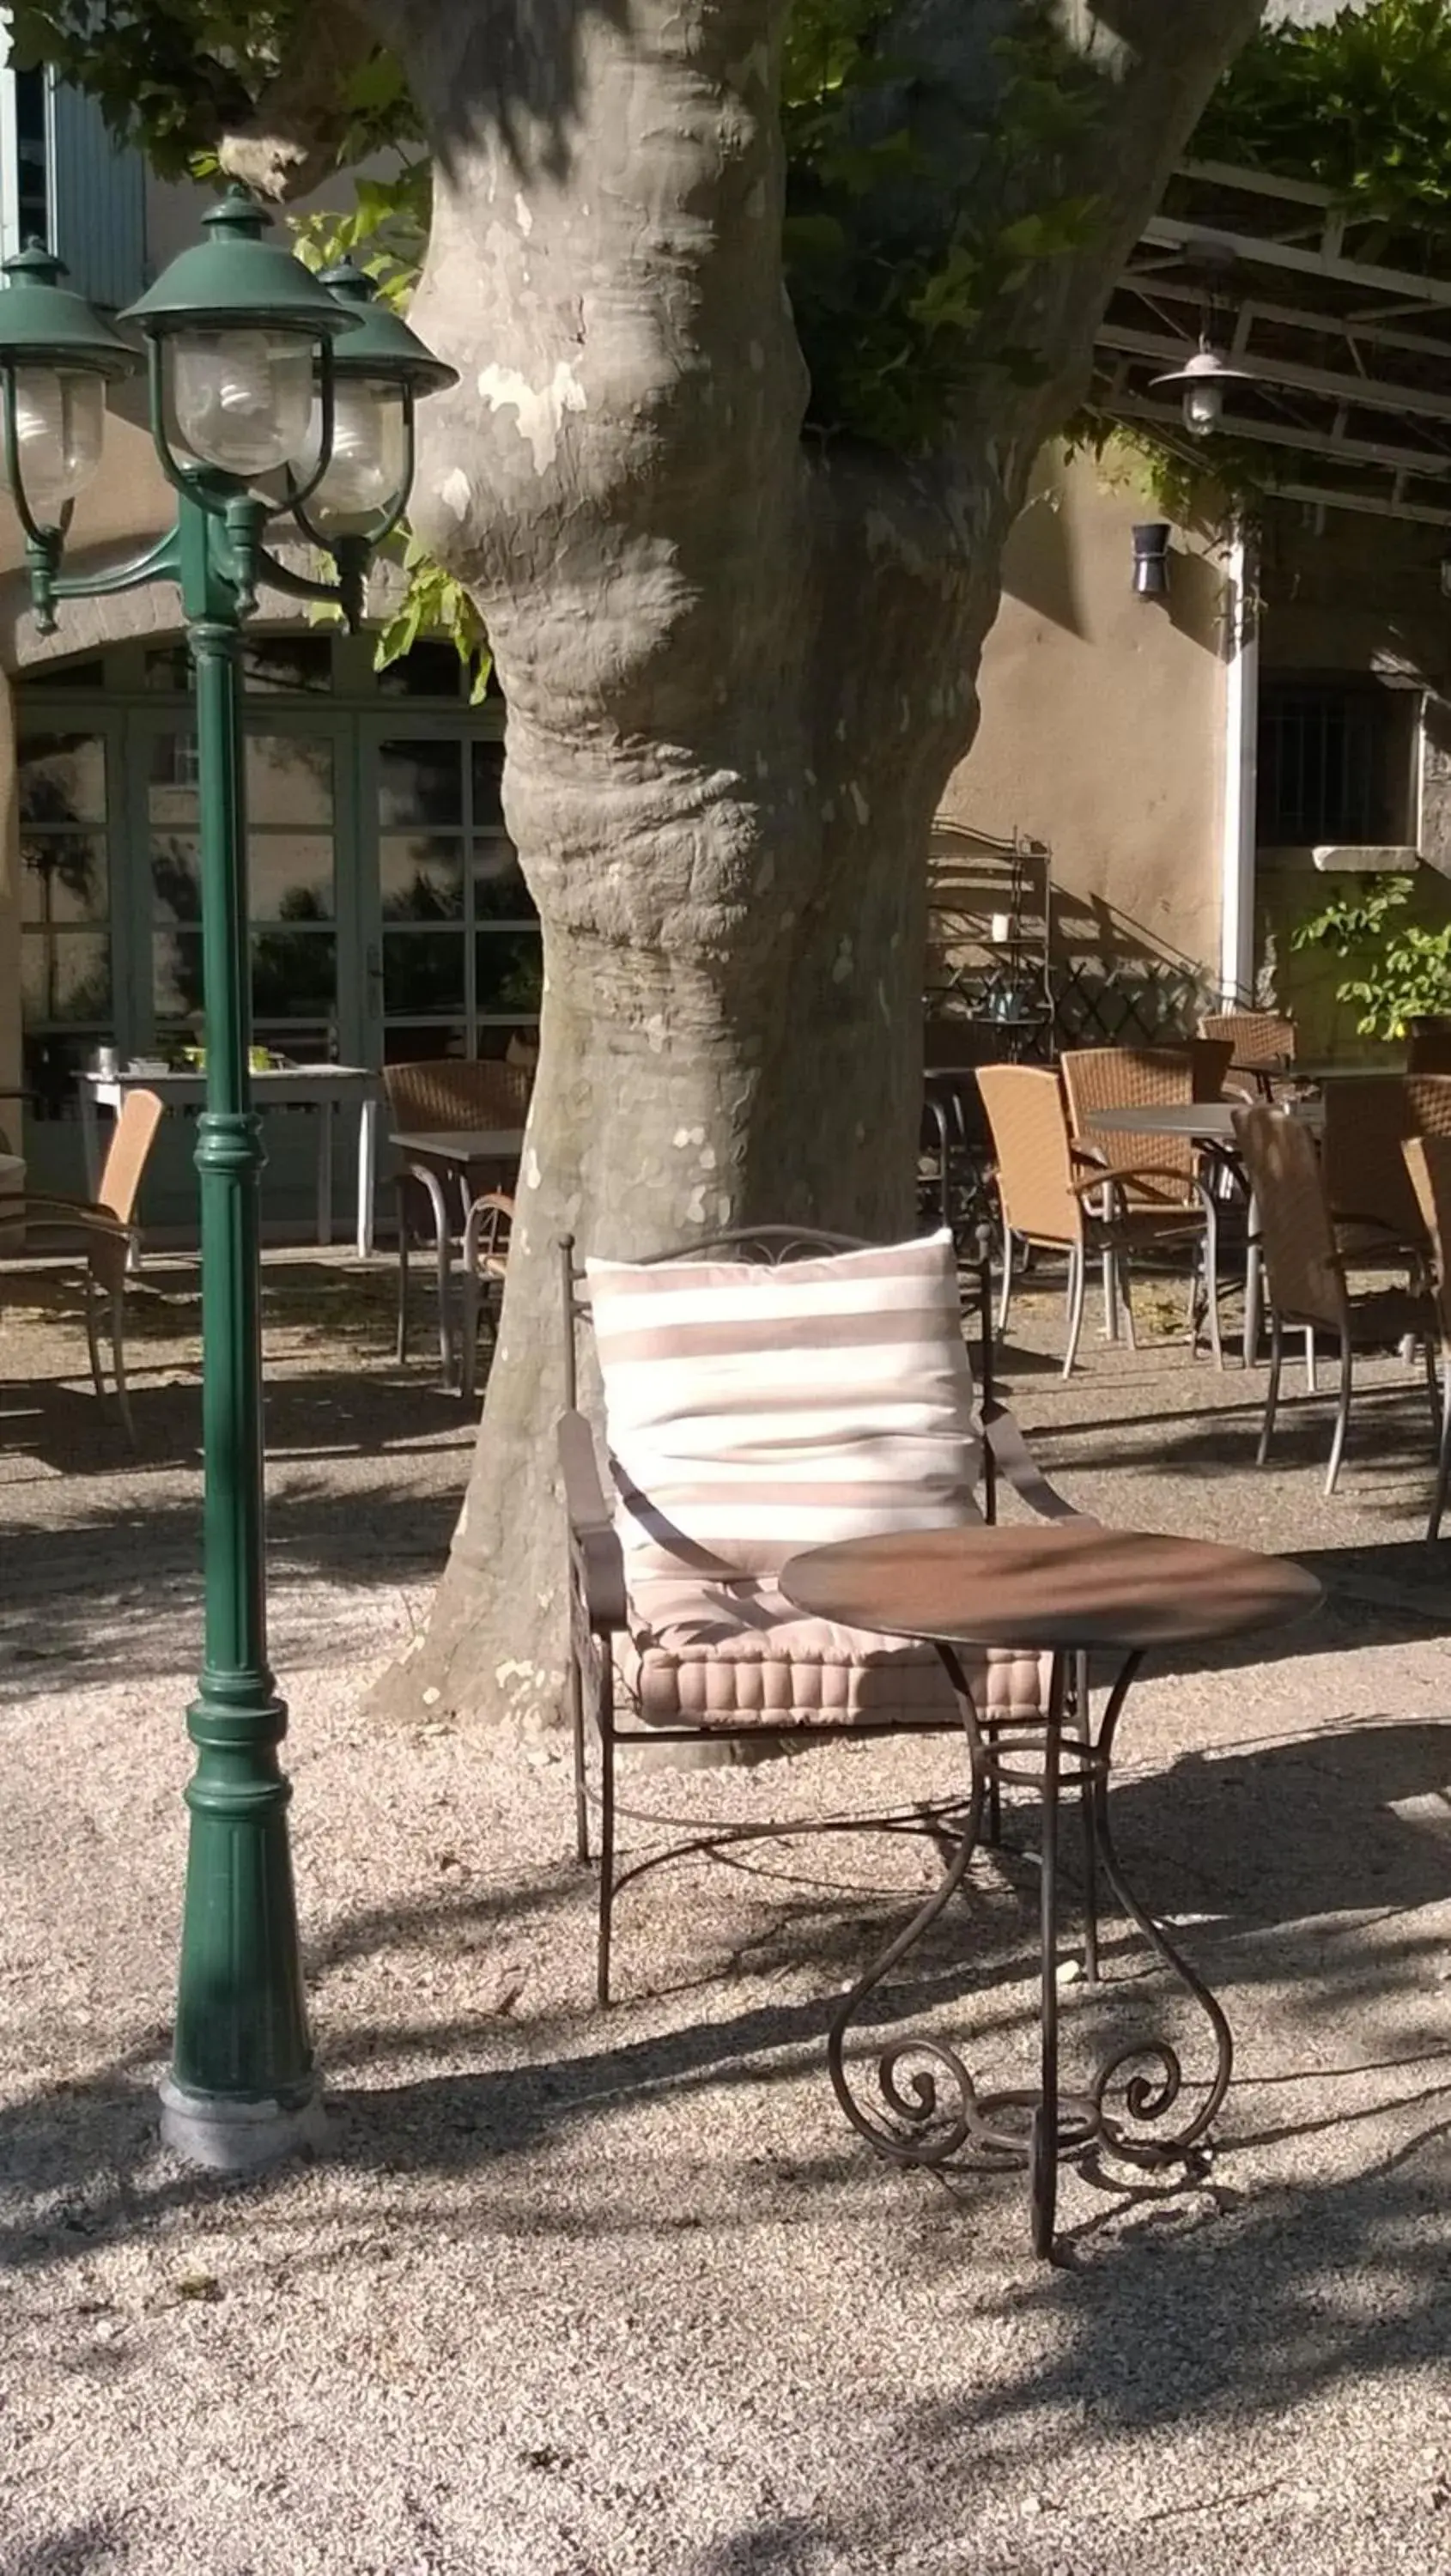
point(594, 1547)
point(1094, 1179)
point(57, 1213)
point(1012, 1459)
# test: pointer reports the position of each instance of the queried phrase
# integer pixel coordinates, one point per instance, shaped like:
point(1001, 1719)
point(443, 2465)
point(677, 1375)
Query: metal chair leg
point(1211, 1276)
point(1077, 1280)
point(607, 1858)
point(1310, 1386)
point(1342, 1414)
point(1110, 1297)
point(93, 1339)
point(576, 1725)
point(1443, 1453)
point(1272, 1391)
point(118, 1363)
point(1005, 1294)
point(1126, 1299)
point(401, 1346)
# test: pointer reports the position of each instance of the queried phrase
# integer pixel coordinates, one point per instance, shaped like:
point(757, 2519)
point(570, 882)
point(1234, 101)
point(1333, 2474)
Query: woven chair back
point(445, 1093)
point(131, 1143)
point(1295, 1231)
point(1254, 1037)
point(1428, 1104)
point(1144, 1078)
point(1428, 1164)
point(1429, 1048)
point(1365, 1171)
point(1030, 1145)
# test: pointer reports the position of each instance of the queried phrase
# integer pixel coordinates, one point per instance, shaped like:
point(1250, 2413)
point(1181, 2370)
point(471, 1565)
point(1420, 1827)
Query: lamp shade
point(381, 344)
point(236, 280)
point(1203, 380)
point(42, 324)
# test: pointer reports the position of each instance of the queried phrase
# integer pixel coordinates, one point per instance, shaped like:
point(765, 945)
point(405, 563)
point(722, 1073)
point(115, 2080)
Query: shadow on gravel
point(86, 2549)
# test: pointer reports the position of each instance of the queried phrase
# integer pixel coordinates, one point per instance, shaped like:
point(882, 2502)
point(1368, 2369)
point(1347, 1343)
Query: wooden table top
point(1067, 1584)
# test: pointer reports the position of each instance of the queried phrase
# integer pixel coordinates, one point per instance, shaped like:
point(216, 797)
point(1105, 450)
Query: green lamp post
point(257, 416)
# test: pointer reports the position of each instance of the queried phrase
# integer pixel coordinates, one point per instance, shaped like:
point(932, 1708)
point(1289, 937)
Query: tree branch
point(295, 139)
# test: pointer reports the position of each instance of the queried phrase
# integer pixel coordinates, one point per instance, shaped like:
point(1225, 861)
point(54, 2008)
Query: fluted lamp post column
point(276, 396)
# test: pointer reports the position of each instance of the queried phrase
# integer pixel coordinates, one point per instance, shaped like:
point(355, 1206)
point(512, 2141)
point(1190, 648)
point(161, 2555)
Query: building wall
point(1102, 723)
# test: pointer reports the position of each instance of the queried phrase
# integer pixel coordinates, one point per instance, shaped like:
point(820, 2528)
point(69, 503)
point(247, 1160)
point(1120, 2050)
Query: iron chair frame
point(599, 1608)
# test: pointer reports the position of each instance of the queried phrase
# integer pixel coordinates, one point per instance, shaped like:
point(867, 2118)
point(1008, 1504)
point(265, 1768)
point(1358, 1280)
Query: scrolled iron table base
point(932, 2112)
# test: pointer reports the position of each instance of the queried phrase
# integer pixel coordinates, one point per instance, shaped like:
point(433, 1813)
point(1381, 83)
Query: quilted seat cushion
point(740, 1654)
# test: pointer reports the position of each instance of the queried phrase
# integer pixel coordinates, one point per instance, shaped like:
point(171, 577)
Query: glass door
point(454, 946)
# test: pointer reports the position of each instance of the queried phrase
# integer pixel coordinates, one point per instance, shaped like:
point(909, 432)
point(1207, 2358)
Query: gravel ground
point(581, 2296)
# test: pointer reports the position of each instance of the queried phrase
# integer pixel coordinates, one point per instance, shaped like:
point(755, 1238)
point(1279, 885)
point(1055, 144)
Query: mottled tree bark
point(738, 673)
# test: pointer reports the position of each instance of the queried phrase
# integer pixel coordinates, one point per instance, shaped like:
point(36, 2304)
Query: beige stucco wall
point(1102, 721)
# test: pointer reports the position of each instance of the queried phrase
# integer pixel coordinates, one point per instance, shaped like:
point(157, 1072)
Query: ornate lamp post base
point(240, 2137)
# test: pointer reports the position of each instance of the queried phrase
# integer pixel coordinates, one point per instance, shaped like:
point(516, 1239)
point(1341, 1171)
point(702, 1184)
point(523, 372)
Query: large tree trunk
point(737, 678)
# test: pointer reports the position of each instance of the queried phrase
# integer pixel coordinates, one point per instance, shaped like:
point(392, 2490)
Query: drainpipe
point(1241, 724)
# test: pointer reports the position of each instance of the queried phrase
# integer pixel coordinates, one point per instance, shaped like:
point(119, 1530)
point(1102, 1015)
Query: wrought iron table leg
point(1083, 1712)
point(935, 2112)
point(1046, 2139)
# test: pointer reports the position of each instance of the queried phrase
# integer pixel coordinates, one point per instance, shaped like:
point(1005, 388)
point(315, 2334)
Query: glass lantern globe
point(242, 400)
point(56, 359)
point(367, 467)
point(236, 326)
point(60, 426)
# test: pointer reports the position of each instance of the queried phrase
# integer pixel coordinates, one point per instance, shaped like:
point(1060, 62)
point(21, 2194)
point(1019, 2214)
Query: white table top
point(185, 1082)
point(462, 1144)
point(1211, 1121)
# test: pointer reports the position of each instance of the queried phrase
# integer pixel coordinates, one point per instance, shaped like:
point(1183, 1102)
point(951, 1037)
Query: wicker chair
point(106, 1226)
point(1083, 1211)
point(1428, 1161)
point(1305, 1268)
point(1429, 1047)
point(443, 1096)
point(1263, 1045)
point(1373, 1206)
point(488, 1232)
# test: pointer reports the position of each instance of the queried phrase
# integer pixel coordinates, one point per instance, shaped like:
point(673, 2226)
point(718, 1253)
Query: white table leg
point(324, 1171)
point(367, 1172)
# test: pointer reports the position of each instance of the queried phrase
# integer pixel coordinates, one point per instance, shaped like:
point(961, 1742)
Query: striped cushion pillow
point(753, 1409)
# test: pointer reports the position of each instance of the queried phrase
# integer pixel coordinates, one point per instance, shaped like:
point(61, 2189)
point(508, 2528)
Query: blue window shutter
point(97, 202)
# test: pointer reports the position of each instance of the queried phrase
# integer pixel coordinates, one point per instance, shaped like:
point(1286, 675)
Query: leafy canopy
point(1401, 969)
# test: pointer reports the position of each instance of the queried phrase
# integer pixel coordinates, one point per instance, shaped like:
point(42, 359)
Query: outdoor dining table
point(320, 1087)
point(1211, 1122)
point(450, 1163)
point(1070, 1589)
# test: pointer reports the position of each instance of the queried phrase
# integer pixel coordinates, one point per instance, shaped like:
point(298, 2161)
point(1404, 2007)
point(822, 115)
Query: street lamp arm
point(347, 592)
point(159, 563)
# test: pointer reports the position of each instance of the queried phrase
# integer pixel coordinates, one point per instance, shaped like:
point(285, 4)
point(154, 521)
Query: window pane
point(421, 1042)
point(68, 671)
point(423, 970)
point(298, 665)
point(429, 671)
point(508, 971)
point(420, 782)
point(172, 778)
point(294, 975)
point(488, 774)
point(62, 877)
point(62, 778)
point(289, 778)
point(176, 976)
point(65, 977)
point(169, 667)
point(290, 876)
point(422, 880)
point(176, 877)
point(500, 893)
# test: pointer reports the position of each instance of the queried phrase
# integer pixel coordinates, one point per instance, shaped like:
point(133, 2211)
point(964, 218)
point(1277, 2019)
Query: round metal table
point(1068, 1588)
